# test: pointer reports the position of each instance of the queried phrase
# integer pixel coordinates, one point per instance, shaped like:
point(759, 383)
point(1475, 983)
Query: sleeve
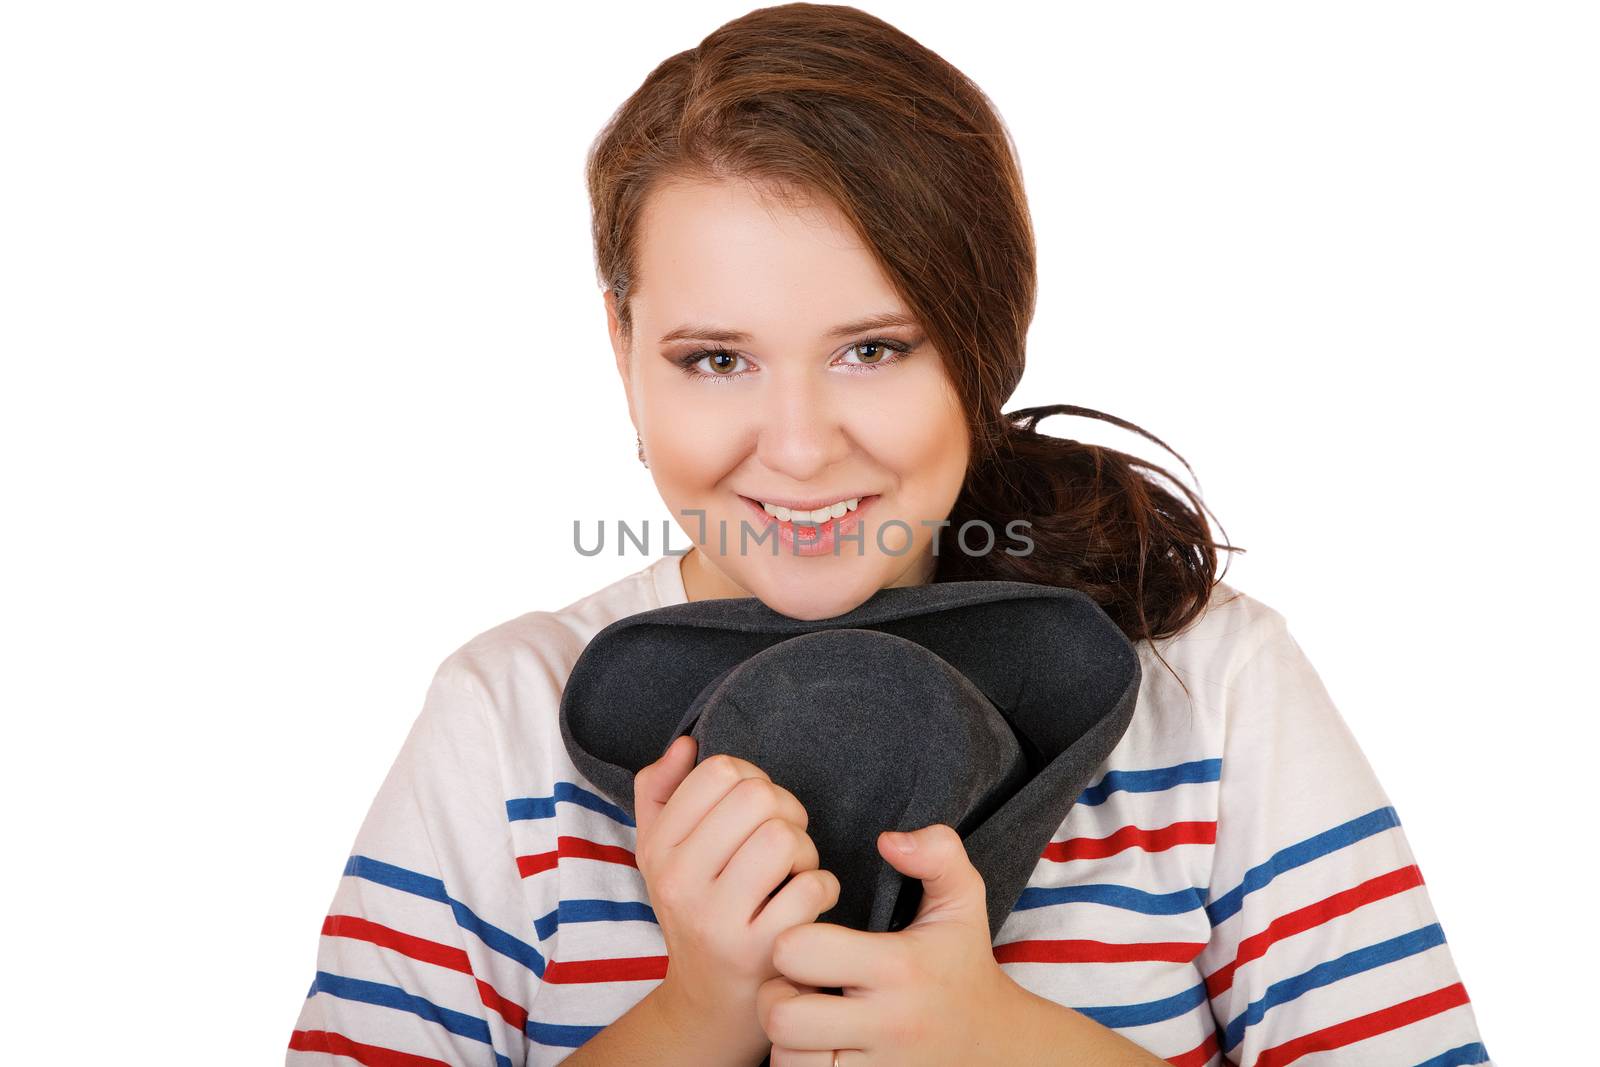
point(1323, 938)
point(425, 956)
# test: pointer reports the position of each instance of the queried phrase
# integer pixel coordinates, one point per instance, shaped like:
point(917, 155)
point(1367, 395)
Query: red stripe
point(574, 848)
point(527, 866)
point(1047, 951)
point(418, 948)
point(513, 1013)
point(1310, 916)
point(1158, 840)
point(1198, 1056)
point(434, 952)
point(1365, 1026)
point(626, 969)
point(339, 1045)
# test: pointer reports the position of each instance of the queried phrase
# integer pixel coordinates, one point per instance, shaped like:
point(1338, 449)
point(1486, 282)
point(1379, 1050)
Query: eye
point(720, 362)
point(722, 365)
point(878, 352)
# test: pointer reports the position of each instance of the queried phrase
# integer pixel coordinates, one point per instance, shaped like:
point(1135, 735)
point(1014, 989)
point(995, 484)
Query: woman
point(818, 270)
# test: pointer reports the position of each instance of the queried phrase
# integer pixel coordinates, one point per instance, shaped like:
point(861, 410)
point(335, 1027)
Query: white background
point(306, 377)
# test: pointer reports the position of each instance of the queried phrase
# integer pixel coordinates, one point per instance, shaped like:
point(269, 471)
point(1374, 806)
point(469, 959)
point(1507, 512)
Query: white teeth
point(817, 516)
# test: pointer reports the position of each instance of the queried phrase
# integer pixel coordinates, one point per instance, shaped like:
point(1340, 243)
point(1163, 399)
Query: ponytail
point(1097, 522)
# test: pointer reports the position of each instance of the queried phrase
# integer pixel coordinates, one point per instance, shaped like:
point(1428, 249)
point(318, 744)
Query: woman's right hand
point(714, 841)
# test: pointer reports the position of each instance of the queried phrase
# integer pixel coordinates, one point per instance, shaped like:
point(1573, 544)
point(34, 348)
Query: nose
point(802, 432)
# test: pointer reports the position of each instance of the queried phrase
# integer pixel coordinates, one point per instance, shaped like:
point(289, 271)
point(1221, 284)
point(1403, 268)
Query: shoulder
point(1186, 678)
point(1240, 682)
point(519, 667)
point(1230, 631)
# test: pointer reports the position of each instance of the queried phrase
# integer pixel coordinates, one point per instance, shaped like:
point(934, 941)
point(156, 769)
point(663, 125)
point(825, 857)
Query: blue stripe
point(559, 1035)
point(548, 924)
point(1461, 1056)
point(1151, 1011)
point(1151, 781)
point(592, 911)
point(1115, 896)
point(1298, 855)
point(388, 874)
point(433, 889)
point(530, 808)
point(388, 996)
point(545, 807)
point(1362, 959)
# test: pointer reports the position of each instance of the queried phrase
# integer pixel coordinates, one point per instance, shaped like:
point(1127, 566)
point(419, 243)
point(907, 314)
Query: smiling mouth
point(808, 528)
point(856, 503)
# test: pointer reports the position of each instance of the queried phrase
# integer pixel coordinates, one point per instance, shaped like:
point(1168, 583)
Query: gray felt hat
point(984, 705)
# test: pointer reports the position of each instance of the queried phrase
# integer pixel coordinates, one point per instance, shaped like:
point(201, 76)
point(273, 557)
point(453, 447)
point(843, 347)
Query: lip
point(817, 543)
point(811, 504)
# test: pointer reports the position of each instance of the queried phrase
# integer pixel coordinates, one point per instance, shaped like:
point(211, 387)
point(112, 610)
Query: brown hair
point(826, 100)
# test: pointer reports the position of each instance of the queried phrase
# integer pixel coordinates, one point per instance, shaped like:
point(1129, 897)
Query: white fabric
point(1237, 817)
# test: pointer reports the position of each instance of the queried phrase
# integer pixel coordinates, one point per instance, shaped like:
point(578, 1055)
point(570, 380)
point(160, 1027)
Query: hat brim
point(1048, 658)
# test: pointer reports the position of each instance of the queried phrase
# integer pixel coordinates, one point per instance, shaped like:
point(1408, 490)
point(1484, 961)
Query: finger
point(701, 790)
point(740, 814)
point(812, 1022)
point(750, 802)
point(771, 992)
point(772, 852)
point(806, 896)
point(655, 783)
point(951, 885)
point(788, 1057)
point(827, 955)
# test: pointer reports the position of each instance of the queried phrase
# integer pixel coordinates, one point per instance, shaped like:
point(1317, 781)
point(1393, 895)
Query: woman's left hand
point(929, 994)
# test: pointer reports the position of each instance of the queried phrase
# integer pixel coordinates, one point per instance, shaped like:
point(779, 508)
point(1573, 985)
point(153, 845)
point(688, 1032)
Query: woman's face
point(811, 405)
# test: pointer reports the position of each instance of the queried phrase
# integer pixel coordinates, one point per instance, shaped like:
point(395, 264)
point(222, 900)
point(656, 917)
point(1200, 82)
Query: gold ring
point(835, 1058)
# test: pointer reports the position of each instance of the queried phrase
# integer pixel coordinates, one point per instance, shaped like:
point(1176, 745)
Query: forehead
point(714, 249)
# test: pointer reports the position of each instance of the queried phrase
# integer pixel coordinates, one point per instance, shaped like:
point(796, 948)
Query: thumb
point(950, 883)
point(656, 782)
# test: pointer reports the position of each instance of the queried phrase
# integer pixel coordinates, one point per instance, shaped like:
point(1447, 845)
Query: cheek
point(683, 457)
point(921, 435)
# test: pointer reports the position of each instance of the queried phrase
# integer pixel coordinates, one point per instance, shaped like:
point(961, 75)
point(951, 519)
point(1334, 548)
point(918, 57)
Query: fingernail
point(902, 842)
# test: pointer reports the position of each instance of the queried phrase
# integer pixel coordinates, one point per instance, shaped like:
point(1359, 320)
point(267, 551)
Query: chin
point(809, 599)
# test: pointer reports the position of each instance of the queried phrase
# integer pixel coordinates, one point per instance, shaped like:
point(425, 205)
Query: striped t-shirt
point(1234, 886)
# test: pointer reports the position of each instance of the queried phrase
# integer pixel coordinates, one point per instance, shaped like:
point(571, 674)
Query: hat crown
point(870, 732)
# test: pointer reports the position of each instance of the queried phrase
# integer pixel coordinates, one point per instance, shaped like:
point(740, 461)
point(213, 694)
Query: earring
point(641, 451)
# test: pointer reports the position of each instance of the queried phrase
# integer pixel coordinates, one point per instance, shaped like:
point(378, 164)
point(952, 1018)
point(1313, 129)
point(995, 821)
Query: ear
point(619, 350)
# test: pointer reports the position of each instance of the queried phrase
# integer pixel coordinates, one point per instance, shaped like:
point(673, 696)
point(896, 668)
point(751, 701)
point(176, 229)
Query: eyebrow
point(700, 332)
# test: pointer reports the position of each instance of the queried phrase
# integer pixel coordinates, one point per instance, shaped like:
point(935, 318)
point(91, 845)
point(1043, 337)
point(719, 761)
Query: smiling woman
point(801, 383)
point(835, 234)
point(818, 272)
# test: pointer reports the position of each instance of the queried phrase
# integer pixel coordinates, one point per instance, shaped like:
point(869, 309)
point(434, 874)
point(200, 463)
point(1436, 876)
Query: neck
point(702, 581)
